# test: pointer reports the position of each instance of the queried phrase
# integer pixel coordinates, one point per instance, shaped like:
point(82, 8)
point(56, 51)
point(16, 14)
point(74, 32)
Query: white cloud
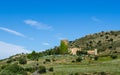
point(95, 19)
point(12, 32)
point(15, 33)
point(37, 24)
point(46, 44)
point(7, 50)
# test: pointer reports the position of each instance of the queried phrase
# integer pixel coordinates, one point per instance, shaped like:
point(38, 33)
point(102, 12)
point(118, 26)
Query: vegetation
point(79, 59)
point(51, 69)
point(13, 69)
point(42, 69)
point(9, 60)
point(96, 57)
point(113, 56)
point(33, 55)
point(80, 53)
point(101, 41)
point(64, 66)
point(22, 60)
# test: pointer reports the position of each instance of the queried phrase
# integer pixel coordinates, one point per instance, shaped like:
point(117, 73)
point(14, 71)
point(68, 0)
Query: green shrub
point(47, 60)
point(53, 59)
point(79, 53)
point(76, 73)
point(44, 62)
point(3, 66)
point(22, 60)
point(113, 56)
point(42, 69)
point(96, 58)
point(13, 69)
point(71, 74)
point(33, 56)
point(51, 69)
point(73, 61)
point(29, 69)
point(9, 60)
point(102, 73)
point(79, 59)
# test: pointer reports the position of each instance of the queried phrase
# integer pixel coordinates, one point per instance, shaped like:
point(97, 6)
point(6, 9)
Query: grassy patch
point(63, 65)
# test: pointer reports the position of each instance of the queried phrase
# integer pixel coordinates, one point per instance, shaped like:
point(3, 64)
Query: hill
point(102, 41)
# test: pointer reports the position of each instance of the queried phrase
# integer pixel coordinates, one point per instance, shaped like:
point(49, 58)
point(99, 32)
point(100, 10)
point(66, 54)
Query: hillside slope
point(102, 41)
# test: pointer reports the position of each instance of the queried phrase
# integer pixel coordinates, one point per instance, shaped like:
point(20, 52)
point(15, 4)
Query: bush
point(33, 56)
point(113, 56)
point(73, 61)
point(22, 60)
point(96, 58)
point(103, 73)
point(76, 73)
point(29, 69)
point(9, 60)
point(3, 66)
point(42, 69)
point(71, 74)
point(53, 59)
point(79, 59)
point(79, 53)
point(13, 69)
point(47, 60)
point(44, 62)
point(51, 69)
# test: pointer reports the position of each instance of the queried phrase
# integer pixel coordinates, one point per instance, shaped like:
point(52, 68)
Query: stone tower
point(65, 41)
point(64, 46)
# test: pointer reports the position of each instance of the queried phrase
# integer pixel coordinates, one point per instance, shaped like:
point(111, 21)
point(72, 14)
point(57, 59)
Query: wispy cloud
point(7, 49)
point(95, 19)
point(45, 43)
point(15, 33)
point(37, 24)
point(12, 32)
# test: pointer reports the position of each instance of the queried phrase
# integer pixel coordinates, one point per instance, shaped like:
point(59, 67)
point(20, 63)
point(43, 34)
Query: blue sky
point(27, 25)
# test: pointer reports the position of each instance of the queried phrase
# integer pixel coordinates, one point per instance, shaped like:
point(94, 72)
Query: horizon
point(39, 25)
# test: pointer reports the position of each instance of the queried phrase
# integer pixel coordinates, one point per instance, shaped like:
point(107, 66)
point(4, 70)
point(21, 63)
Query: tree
point(56, 50)
point(33, 55)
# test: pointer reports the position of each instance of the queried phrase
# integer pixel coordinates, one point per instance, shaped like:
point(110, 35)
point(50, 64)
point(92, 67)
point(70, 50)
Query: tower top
point(65, 41)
